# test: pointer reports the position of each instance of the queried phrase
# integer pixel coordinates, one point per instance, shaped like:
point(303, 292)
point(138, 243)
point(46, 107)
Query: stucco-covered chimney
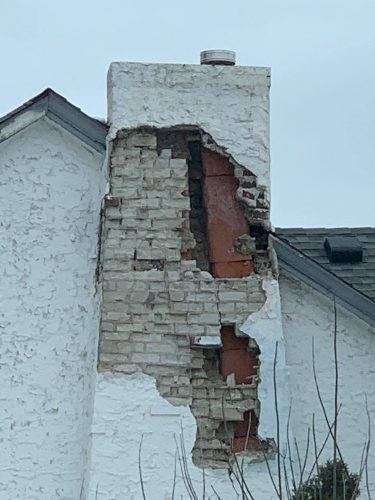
point(231, 103)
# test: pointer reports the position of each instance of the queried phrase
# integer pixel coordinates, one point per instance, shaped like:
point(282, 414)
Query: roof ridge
point(59, 109)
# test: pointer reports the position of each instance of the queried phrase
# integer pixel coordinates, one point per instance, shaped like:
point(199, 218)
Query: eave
point(55, 107)
point(315, 275)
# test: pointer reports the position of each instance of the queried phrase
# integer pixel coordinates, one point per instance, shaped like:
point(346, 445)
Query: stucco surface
point(265, 326)
point(129, 406)
point(308, 315)
point(51, 188)
point(231, 103)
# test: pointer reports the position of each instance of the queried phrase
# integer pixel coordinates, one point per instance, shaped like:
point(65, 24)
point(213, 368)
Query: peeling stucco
point(265, 327)
point(230, 103)
point(128, 407)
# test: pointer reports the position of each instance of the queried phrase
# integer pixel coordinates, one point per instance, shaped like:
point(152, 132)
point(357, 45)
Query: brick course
point(155, 301)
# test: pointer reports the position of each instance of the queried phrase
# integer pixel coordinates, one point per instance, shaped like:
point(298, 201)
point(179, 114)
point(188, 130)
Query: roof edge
point(58, 109)
point(321, 279)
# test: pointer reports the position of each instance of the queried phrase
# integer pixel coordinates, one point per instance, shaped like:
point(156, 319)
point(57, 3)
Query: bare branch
point(290, 452)
point(306, 454)
point(336, 401)
point(183, 471)
point(299, 462)
point(174, 475)
point(270, 475)
point(216, 493)
point(315, 445)
point(329, 433)
point(241, 480)
point(286, 480)
point(82, 488)
point(369, 443)
point(140, 468)
point(248, 431)
point(321, 400)
point(361, 469)
point(186, 468)
point(277, 423)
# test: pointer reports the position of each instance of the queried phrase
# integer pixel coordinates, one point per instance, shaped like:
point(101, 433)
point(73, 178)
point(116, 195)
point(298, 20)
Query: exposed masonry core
point(184, 227)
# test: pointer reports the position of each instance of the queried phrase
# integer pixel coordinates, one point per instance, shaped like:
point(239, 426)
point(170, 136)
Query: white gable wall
point(51, 186)
point(308, 314)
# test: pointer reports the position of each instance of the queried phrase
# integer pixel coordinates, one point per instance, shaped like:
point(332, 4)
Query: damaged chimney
point(189, 179)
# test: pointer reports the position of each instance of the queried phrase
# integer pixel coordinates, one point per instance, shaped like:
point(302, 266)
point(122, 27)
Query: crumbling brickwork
point(161, 313)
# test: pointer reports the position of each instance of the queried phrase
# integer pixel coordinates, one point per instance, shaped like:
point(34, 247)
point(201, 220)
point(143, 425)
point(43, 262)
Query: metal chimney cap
point(221, 57)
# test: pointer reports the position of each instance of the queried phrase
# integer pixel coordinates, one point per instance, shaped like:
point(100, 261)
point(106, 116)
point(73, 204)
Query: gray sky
point(323, 79)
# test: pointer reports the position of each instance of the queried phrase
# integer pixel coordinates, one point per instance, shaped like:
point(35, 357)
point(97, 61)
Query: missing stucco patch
point(159, 240)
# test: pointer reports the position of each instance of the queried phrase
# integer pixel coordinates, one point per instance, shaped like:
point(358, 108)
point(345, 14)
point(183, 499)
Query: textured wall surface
point(51, 188)
point(230, 103)
point(309, 315)
point(127, 407)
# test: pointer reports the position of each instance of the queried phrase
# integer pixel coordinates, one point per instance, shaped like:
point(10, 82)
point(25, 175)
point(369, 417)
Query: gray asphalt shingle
point(310, 241)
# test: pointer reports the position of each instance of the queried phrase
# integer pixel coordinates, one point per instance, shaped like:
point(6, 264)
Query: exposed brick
point(111, 201)
point(232, 269)
point(154, 300)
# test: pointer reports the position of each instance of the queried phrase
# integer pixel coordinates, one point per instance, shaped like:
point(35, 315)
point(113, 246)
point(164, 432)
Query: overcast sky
point(323, 79)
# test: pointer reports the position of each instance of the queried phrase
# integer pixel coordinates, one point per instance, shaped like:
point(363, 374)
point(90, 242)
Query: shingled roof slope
point(310, 241)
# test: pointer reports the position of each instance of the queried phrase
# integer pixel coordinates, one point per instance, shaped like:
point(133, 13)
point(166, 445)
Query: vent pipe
point(219, 57)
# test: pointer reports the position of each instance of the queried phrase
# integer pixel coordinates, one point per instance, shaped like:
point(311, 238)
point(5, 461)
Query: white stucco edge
point(265, 327)
point(125, 78)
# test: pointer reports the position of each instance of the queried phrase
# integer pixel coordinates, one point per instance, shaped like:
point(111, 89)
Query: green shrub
point(321, 485)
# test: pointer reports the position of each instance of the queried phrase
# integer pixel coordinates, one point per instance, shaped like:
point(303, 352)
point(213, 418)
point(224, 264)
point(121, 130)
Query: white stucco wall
point(265, 327)
point(51, 187)
point(308, 314)
point(127, 406)
point(231, 103)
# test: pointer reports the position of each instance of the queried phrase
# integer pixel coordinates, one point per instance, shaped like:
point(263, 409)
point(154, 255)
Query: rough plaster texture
point(51, 188)
point(308, 315)
point(129, 406)
point(230, 103)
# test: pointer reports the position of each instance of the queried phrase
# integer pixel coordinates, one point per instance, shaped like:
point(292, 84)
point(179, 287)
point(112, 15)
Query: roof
point(361, 275)
point(52, 105)
point(302, 251)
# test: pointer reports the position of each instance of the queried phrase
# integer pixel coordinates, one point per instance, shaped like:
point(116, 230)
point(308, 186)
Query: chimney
point(231, 103)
